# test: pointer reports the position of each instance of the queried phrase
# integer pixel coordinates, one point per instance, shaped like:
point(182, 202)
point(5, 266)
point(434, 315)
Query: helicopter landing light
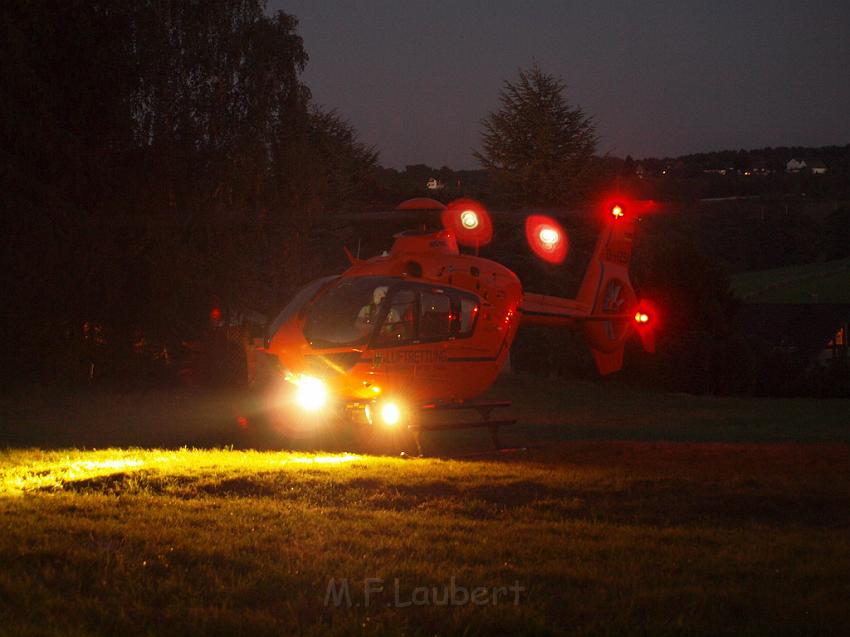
point(469, 219)
point(312, 394)
point(390, 414)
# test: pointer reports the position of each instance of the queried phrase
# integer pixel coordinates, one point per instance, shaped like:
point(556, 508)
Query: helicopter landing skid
point(484, 410)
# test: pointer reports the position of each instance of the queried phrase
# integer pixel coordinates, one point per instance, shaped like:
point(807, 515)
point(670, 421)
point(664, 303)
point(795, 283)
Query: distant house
point(433, 184)
point(795, 165)
point(816, 166)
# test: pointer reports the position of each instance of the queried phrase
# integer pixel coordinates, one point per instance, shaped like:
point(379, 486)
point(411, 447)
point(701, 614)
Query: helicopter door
point(435, 316)
point(434, 332)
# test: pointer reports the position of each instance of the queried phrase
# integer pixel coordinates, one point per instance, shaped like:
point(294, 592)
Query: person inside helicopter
point(369, 313)
point(399, 324)
point(346, 313)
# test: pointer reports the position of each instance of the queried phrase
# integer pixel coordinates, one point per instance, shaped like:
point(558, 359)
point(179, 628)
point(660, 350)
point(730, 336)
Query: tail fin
point(610, 260)
point(608, 293)
point(606, 306)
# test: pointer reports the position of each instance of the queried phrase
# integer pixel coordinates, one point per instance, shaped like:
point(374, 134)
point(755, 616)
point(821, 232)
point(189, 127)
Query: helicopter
point(426, 326)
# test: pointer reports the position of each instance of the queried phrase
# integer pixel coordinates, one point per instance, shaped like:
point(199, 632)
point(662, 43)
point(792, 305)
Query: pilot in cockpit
point(369, 313)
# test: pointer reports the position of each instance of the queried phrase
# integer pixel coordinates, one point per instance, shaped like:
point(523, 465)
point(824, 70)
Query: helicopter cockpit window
point(346, 314)
point(435, 315)
point(399, 325)
point(297, 303)
point(417, 313)
point(468, 313)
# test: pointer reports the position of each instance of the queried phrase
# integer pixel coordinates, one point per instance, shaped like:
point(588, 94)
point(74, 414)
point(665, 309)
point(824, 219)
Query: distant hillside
point(836, 158)
point(827, 282)
point(759, 172)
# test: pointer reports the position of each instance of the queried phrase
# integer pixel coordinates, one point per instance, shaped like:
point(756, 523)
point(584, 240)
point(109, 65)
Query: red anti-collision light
point(646, 324)
point(645, 315)
point(621, 207)
point(546, 238)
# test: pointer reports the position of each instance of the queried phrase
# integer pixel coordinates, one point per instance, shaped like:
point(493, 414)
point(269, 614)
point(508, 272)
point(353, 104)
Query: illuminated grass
point(633, 513)
point(31, 471)
point(607, 537)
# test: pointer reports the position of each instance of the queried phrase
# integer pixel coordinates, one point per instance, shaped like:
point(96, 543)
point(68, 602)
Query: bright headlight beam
point(311, 394)
point(390, 414)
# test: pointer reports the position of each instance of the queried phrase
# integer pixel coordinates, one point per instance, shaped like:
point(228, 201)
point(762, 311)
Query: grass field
point(631, 513)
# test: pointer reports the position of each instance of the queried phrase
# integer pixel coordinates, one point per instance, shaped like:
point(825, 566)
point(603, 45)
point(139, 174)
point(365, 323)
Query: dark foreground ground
point(631, 513)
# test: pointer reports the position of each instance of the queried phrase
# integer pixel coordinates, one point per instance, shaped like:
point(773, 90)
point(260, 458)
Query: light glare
point(312, 393)
point(390, 414)
point(468, 219)
point(549, 237)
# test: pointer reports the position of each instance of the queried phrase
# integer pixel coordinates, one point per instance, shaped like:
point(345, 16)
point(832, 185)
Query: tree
point(537, 147)
point(152, 155)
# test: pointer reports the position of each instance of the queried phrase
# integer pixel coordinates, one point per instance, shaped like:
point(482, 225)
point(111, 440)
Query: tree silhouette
point(537, 146)
point(155, 155)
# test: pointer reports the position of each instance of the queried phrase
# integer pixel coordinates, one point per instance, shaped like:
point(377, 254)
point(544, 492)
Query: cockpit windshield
point(298, 301)
point(346, 314)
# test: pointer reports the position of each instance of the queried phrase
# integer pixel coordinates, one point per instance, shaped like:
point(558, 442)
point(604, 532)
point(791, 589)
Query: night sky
point(660, 79)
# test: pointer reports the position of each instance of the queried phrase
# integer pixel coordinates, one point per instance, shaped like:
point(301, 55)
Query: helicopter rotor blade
point(469, 221)
point(546, 238)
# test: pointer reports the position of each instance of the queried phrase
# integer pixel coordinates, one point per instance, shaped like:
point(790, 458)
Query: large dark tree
point(155, 155)
point(537, 146)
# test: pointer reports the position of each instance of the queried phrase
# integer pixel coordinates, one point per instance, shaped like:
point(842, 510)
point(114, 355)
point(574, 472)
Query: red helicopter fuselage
point(428, 325)
point(442, 334)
